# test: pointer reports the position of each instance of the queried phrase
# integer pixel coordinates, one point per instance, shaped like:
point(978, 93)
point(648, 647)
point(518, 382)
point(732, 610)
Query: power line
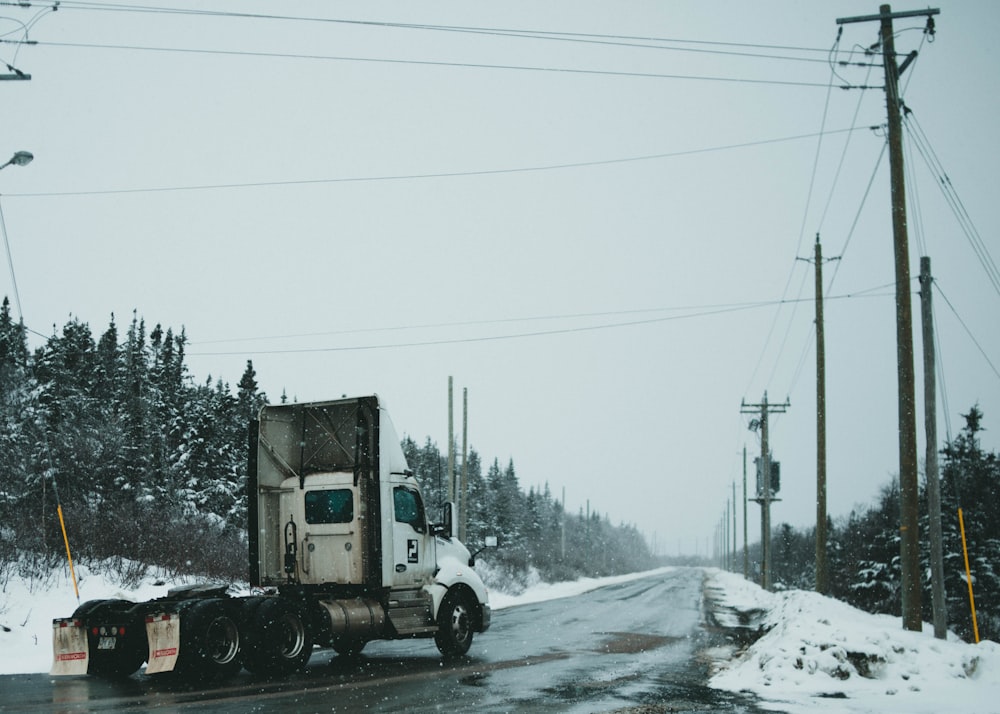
point(433, 63)
point(967, 330)
point(471, 323)
point(586, 37)
point(857, 214)
point(706, 311)
point(802, 227)
point(791, 272)
point(843, 157)
point(857, 110)
point(444, 174)
point(954, 201)
point(10, 264)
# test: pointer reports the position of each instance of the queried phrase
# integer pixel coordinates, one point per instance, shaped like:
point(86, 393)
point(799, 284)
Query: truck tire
point(281, 641)
point(348, 646)
point(126, 658)
point(210, 642)
point(454, 621)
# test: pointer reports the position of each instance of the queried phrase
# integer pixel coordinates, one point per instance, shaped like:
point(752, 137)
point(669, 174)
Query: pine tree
point(134, 477)
point(970, 480)
point(248, 399)
point(16, 388)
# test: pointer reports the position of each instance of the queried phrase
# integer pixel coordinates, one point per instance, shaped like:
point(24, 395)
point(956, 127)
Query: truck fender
point(71, 653)
point(163, 633)
point(451, 573)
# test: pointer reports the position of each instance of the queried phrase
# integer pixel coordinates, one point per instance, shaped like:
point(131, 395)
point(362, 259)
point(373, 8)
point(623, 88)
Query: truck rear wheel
point(210, 642)
point(454, 621)
point(281, 640)
point(129, 652)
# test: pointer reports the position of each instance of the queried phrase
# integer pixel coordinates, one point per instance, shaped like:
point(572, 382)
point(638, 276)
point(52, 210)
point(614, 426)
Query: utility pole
point(940, 609)
point(765, 469)
point(733, 568)
point(729, 557)
point(463, 499)
point(822, 571)
point(746, 546)
point(451, 444)
point(908, 506)
point(562, 537)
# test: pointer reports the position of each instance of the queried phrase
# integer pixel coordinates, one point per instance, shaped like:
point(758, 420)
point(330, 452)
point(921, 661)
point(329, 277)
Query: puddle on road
point(477, 679)
point(633, 695)
point(589, 689)
point(632, 642)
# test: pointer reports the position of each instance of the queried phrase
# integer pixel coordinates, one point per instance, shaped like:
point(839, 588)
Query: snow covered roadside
point(818, 655)
point(821, 655)
point(28, 608)
point(539, 592)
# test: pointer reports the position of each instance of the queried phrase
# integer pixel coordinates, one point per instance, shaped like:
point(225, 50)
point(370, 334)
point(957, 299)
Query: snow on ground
point(822, 656)
point(818, 655)
point(27, 609)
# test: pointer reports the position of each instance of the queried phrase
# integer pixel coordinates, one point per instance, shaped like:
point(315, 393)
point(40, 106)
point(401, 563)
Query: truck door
point(331, 537)
point(413, 546)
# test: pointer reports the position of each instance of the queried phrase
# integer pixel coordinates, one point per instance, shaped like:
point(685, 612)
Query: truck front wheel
point(281, 640)
point(454, 621)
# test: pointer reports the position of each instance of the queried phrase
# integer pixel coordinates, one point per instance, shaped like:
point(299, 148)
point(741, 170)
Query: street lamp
point(20, 158)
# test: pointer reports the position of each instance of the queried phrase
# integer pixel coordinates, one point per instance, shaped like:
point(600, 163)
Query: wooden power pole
point(765, 470)
point(940, 608)
point(822, 570)
point(451, 443)
point(746, 546)
point(463, 491)
point(733, 561)
point(908, 506)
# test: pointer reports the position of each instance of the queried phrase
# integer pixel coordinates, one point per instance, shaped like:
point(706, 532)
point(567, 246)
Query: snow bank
point(27, 609)
point(819, 654)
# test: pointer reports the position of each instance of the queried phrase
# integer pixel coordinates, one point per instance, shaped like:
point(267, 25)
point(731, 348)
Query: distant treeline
point(863, 548)
point(149, 466)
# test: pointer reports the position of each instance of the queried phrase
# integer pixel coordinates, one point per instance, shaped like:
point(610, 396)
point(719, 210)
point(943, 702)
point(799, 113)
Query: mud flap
point(164, 635)
point(70, 652)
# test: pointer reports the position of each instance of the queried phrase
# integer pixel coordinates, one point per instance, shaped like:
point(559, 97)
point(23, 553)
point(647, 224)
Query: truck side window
point(409, 508)
point(330, 506)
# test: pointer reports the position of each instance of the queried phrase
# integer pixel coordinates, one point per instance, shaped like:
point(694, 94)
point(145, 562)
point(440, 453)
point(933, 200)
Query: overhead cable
point(424, 176)
point(954, 201)
point(587, 37)
point(967, 330)
point(436, 63)
point(707, 312)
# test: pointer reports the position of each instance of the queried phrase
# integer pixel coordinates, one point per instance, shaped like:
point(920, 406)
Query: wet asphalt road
point(634, 647)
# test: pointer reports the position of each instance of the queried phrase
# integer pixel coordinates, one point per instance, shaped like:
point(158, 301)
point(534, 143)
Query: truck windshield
point(330, 506)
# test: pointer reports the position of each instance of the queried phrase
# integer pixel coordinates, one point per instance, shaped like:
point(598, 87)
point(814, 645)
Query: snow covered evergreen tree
point(970, 480)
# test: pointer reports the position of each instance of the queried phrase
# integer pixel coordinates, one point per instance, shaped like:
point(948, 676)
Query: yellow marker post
point(69, 557)
point(968, 576)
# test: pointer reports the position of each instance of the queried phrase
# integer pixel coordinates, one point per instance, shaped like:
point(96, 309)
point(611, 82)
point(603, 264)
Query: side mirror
point(488, 542)
point(446, 528)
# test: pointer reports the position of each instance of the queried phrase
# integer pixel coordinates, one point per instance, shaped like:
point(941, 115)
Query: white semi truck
point(340, 551)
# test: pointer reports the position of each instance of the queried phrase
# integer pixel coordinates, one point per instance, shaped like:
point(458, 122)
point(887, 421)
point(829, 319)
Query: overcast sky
point(586, 212)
